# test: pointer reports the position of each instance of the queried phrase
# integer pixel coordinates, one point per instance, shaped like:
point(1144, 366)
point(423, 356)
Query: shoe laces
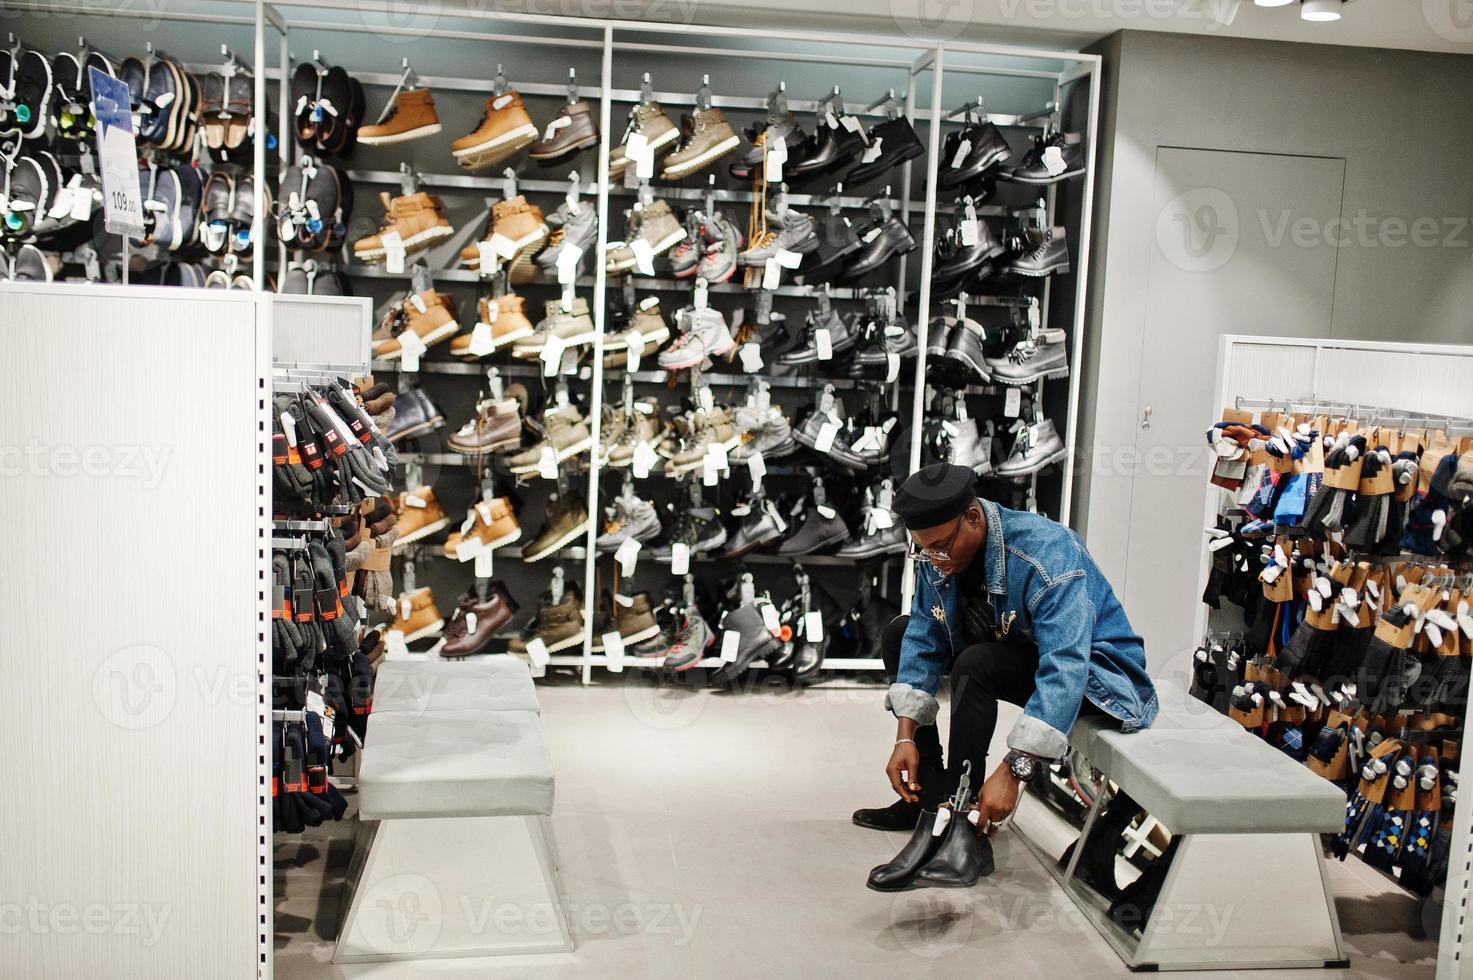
point(1025, 351)
point(1036, 252)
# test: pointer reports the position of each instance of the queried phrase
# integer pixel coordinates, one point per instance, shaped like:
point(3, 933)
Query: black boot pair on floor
point(953, 857)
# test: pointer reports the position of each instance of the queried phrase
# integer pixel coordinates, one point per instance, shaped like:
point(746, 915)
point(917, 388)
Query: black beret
point(934, 495)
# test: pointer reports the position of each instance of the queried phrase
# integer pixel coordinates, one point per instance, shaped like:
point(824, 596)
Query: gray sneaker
point(579, 228)
point(630, 519)
point(766, 431)
point(692, 638)
point(719, 262)
point(799, 234)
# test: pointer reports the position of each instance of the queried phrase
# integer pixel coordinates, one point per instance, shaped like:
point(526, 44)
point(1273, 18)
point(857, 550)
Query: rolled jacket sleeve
point(1063, 626)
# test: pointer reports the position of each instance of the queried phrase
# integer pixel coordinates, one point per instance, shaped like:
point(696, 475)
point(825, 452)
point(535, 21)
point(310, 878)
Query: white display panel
point(129, 682)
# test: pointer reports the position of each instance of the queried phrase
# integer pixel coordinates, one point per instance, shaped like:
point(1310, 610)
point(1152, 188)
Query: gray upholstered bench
point(1247, 885)
point(455, 854)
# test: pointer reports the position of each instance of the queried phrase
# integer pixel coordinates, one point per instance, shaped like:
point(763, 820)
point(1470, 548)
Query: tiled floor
point(707, 835)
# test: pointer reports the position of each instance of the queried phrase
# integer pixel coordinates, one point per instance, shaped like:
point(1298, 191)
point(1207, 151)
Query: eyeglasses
point(942, 554)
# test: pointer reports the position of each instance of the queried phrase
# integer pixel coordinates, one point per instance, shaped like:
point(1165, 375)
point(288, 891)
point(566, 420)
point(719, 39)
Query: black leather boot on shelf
point(964, 856)
point(900, 873)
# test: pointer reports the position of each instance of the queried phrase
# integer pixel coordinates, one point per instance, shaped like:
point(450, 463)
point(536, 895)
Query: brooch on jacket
point(939, 613)
point(1007, 621)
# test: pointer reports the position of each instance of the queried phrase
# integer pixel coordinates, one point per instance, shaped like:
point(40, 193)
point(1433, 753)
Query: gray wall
point(1399, 120)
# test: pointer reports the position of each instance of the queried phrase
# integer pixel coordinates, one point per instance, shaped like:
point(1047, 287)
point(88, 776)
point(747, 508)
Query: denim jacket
point(1044, 583)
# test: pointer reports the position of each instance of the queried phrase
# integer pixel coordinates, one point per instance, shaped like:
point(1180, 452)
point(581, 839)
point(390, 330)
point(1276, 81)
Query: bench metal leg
point(456, 887)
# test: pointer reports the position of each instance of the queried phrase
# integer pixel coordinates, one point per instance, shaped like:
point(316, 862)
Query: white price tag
point(614, 651)
point(751, 356)
point(770, 618)
point(393, 253)
point(567, 263)
point(757, 466)
point(81, 204)
point(552, 355)
point(717, 454)
point(547, 463)
point(394, 646)
point(852, 124)
point(772, 274)
point(559, 123)
point(644, 256)
point(1013, 403)
point(483, 562)
point(731, 642)
point(637, 150)
point(709, 473)
point(969, 231)
point(787, 259)
point(490, 261)
point(699, 302)
point(482, 343)
point(469, 548)
point(892, 366)
point(628, 555)
point(777, 155)
point(872, 152)
point(470, 622)
point(883, 518)
point(826, 433)
point(645, 458)
point(813, 626)
point(679, 558)
point(705, 399)
point(503, 247)
point(1053, 161)
point(825, 344)
point(537, 652)
point(411, 346)
point(827, 512)
point(962, 149)
point(634, 345)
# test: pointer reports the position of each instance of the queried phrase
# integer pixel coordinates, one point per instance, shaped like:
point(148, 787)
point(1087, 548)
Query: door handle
point(1146, 418)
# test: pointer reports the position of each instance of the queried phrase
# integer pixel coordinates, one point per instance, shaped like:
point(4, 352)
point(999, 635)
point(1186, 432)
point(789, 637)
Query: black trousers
point(982, 675)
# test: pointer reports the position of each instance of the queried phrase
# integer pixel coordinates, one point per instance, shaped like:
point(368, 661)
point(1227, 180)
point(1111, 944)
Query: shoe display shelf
point(616, 66)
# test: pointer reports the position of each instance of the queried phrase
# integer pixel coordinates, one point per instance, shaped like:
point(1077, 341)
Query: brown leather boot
point(497, 428)
point(522, 226)
point(573, 129)
point(490, 525)
point(429, 314)
point(411, 116)
point(649, 120)
point(420, 515)
point(559, 626)
point(504, 129)
point(474, 623)
point(419, 220)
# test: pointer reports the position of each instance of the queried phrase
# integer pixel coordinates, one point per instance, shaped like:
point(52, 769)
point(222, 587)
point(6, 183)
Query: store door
point(1243, 243)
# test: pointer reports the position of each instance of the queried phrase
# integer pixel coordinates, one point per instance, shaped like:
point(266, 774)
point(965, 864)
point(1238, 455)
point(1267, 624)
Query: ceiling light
point(1273, 3)
point(1320, 10)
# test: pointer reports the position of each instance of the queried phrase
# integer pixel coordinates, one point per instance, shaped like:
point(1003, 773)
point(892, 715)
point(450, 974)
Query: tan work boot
point(567, 520)
point(410, 116)
point(417, 218)
point(429, 314)
point(647, 330)
point(643, 426)
point(649, 120)
point(420, 515)
point(559, 627)
point(504, 129)
point(710, 138)
point(566, 434)
point(490, 525)
point(416, 616)
point(573, 328)
point(707, 428)
point(656, 224)
point(522, 225)
point(504, 319)
point(497, 428)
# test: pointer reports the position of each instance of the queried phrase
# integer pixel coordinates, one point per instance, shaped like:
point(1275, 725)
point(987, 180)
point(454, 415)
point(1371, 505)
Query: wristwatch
point(1024, 766)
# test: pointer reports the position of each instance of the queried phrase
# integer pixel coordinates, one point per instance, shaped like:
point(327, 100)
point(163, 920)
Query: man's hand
point(999, 798)
point(905, 758)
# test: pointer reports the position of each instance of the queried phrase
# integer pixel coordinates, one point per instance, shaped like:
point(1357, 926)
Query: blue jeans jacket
point(1045, 584)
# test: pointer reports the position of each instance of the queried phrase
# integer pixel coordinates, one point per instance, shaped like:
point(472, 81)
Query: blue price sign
point(117, 154)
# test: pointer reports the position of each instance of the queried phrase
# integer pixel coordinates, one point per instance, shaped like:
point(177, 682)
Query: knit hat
point(934, 495)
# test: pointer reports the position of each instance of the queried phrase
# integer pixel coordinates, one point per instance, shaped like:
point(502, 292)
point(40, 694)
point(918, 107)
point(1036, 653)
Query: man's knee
point(979, 667)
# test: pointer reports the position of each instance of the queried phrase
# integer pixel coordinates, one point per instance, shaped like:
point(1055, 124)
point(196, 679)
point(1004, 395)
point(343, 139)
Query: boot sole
point(1052, 373)
point(640, 637)
point(667, 243)
point(505, 445)
point(557, 545)
point(418, 430)
point(830, 541)
point(527, 243)
point(436, 336)
point(526, 352)
point(404, 137)
point(687, 167)
point(566, 151)
point(1043, 182)
point(422, 533)
point(957, 178)
point(434, 629)
point(748, 549)
point(721, 348)
point(525, 133)
point(921, 879)
point(1057, 269)
point(581, 446)
point(945, 273)
point(571, 641)
point(413, 243)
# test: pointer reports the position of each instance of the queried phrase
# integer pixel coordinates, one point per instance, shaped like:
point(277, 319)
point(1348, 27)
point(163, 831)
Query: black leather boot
point(1132, 909)
point(915, 855)
point(1097, 863)
point(900, 815)
point(964, 856)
